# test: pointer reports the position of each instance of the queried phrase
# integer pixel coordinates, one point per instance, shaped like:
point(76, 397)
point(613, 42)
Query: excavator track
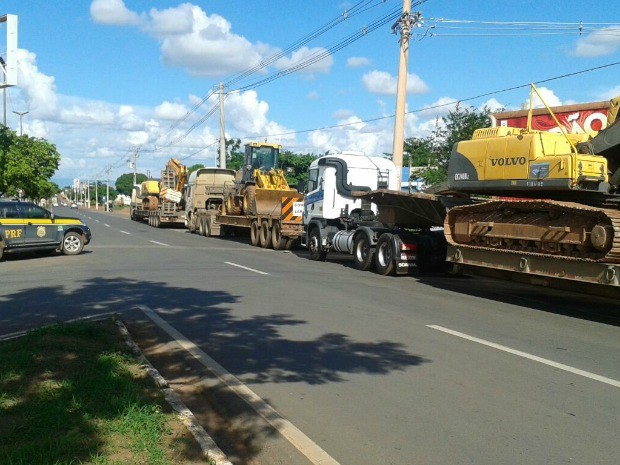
point(548, 228)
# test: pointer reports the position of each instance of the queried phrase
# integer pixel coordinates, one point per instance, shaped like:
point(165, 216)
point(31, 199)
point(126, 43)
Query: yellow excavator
point(260, 185)
point(554, 193)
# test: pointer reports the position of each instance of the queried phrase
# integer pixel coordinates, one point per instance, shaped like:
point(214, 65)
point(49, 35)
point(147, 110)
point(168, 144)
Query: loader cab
point(260, 155)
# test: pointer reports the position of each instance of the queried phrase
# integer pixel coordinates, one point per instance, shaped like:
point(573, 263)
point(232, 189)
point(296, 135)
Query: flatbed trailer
point(423, 210)
point(267, 231)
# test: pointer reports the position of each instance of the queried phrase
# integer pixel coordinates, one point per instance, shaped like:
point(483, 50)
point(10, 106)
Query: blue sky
point(99, 77)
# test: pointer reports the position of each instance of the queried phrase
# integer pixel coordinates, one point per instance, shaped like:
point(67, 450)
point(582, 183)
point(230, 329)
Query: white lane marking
point(106, 225)
point(535, 358)
point(125, 232)
point(97, 221)
point(160, 243)
point(303, 443)
point(246, 268)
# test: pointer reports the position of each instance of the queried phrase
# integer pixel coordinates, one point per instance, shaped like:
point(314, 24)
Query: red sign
point(573, 121)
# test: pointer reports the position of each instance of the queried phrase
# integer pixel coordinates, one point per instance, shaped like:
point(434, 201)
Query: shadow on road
point(253, 349)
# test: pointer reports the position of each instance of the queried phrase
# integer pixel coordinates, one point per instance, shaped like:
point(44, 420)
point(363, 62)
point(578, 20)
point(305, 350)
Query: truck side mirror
point(302, 186)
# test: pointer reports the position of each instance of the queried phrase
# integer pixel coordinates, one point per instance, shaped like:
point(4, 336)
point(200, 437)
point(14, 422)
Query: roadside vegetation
point(74, 394)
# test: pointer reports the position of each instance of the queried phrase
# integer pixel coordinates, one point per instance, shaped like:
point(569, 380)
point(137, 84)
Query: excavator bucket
point(269, 201)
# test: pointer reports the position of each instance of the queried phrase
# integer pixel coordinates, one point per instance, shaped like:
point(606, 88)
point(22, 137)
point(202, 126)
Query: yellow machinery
point(260, 185)
point(561, 192)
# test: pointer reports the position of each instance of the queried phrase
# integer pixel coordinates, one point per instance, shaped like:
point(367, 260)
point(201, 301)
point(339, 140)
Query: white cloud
point(170, 111)
point(342, 114)
point(39, 89)
point(382, 83)
point(492, 104)
point(248, 115)
point(548, 96)
point(323, 65)
point(313, 95)
point(609, 94)
point(604, 41)
point(113, 13)
point(171, 21)
point(358, 62)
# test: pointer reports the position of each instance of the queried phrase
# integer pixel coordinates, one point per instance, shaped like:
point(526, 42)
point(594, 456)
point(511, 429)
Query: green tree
point(124, 183)
point(195, 167)
point(101, 190)
point(434, 152)
point(27, 163)
point(235, 154)
point(295, 166)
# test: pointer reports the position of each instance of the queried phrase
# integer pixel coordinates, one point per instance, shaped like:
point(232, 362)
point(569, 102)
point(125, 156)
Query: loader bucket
point(269, 201)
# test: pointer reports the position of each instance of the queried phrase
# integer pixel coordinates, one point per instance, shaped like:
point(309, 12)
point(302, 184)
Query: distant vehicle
point(74, 205)
point(64, 204)
point(26, 227)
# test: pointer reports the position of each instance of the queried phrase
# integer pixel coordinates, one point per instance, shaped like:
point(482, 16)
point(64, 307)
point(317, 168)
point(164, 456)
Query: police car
point(24, 227)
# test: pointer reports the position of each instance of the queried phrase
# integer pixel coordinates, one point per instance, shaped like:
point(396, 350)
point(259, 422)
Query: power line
point(441, 105)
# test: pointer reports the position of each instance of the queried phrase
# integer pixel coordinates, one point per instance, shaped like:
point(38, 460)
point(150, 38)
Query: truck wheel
point(254, 233)
point(384, 255)
point(290, 242)
point(191, 224)
point(277, 240)
point(132, 215)
point(363, 253)
point(265, 235)
point(201, 227)
point(72, 244)
point(157, 222)
point(207, 221)
point(315, 248)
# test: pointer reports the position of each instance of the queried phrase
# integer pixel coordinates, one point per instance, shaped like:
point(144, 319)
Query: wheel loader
point(261, 199)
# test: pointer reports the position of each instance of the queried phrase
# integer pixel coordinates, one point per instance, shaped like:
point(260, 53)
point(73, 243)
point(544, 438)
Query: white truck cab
point(332, 179)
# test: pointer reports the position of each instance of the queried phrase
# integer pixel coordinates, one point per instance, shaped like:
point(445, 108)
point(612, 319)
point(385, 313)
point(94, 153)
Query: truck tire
point(208, 226)
point(72, 243)
point(314, 246)
point(363, 253)
point(191, 224)
point(265, 235)
point(277, 240)
point(384, 255)
point(201, 227)
point(254, 233)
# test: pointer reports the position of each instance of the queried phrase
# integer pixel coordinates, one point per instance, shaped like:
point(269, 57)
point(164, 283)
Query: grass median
point(75, 394)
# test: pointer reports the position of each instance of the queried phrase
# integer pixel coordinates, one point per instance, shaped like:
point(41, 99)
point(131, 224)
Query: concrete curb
point(207, 444)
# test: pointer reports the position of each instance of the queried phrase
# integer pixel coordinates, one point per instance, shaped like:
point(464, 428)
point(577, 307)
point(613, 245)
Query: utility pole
point(4, 86)
point(21, 115)
point(136, 149)
point(96, 194)
point(107, 190)
point(88, 193)
point(404, 23)
point(222, 133)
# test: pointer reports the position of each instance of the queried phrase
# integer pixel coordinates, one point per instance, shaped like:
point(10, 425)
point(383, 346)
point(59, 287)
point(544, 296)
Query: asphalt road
point(408, 370)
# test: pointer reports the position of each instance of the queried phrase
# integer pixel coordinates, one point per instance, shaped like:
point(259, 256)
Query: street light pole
point(21, 115)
